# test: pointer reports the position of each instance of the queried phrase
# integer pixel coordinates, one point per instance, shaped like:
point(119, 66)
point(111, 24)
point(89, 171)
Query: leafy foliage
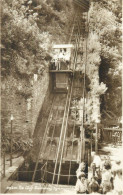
point(105, 21)
point(29, 29)
point(20, 143)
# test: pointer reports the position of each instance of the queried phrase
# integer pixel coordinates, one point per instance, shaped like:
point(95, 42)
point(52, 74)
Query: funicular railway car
point(61, 67)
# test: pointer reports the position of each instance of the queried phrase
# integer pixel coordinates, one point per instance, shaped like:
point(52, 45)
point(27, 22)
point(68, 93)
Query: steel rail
point(66, 124)
point(77, 44)
point(80, 4)
point(72, 29)
point(51, 140)
point(42, 141)
point(72, 144)
point(65, 131)
point(71, 152)
point(61, 134)
point(63, 123)
point(62, 127)
point(82, 130)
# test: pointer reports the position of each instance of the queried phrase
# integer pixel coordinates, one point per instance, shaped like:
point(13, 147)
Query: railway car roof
point(62, 46)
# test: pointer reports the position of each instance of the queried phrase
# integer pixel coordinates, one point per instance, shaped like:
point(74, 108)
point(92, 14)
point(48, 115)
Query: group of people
point(104, 177)
point(60, 64)
point(61, 61)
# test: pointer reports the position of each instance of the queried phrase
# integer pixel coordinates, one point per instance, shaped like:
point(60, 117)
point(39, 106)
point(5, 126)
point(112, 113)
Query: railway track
point(53, 142)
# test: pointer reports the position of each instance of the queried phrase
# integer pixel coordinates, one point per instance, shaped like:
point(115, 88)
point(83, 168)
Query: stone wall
point(40, 91)
point(24, 110)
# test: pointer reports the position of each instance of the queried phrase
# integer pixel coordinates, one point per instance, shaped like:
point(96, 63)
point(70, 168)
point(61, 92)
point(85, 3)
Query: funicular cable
point(42, 141)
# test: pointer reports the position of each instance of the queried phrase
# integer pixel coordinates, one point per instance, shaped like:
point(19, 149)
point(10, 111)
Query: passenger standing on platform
point(118, 182)
point(81, 184)
point(96, 160)
point(116, 166)
point(93, 181)
point(96, 166)
point(94, 186)
point(81, 168)
point(106, 160)
point(106, 178)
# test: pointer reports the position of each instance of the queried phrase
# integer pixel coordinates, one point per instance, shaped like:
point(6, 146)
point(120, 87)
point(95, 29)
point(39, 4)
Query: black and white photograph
point(61, 97)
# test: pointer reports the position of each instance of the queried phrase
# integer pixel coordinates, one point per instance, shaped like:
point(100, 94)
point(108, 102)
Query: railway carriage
point(61, 67)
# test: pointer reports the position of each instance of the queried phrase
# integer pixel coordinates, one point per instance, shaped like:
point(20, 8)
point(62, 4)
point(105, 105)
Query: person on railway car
point(60, 59)
point(68, 64)
point(52, 67)
point(56, 64)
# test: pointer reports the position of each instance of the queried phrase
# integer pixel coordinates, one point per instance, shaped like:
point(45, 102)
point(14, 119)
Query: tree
point(105, 21)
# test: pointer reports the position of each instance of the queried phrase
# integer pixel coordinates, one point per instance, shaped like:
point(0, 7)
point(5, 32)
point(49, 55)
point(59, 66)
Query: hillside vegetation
point(31, 27)
point(105, 26)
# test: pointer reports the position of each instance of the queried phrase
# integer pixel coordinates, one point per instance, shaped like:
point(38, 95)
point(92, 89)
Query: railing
point(111, 135)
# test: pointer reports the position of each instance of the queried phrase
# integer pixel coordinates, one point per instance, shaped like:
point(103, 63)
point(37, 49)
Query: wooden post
point(4, 164)
point(96, 139)
point(11, 142)
point(82, 144)
point(91, 142)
